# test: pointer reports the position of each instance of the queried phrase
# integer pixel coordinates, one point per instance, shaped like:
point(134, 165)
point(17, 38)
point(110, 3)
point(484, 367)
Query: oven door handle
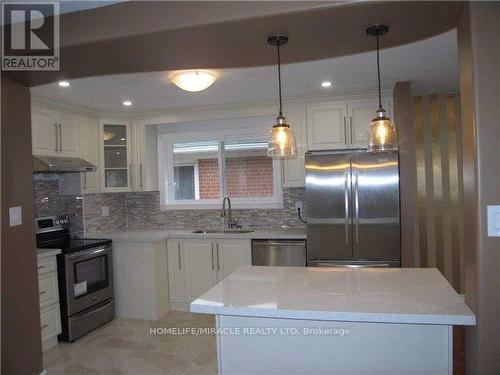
point(87, 254)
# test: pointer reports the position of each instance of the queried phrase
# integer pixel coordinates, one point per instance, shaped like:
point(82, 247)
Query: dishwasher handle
point(279, 242)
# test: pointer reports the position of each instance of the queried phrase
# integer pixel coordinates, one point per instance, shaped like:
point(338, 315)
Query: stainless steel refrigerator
point(352, 208)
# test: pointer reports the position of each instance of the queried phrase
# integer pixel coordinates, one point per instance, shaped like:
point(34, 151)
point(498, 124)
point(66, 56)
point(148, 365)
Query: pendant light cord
point(378, 74)
point(279, 78)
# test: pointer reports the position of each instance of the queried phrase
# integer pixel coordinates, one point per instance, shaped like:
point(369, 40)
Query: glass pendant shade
point(382, 134)
point(281, 143)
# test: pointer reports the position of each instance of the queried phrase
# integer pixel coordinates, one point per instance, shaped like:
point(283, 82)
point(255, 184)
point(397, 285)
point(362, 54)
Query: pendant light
point(382, 133)
point(281, 143)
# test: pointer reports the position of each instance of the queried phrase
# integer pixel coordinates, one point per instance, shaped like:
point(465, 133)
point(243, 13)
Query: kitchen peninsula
point(340, 320)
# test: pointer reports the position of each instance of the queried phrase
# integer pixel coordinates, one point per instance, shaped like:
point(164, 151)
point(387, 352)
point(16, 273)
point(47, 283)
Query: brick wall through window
point(246, 177)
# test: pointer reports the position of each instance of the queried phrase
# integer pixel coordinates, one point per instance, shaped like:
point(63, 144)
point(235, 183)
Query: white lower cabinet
point(232, 254)
point(178, 281)
point(195, 265)
point(48, 291)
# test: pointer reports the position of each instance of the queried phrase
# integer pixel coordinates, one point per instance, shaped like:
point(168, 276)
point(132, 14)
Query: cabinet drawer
point(48, 289)
point(50, 320)
point(46, 265)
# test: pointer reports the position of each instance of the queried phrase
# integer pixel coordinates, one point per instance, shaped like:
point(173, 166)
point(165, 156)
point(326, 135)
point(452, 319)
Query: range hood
point(59, 164)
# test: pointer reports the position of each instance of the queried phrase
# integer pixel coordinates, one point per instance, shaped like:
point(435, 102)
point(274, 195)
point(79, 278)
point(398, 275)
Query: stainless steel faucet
point(228, 215)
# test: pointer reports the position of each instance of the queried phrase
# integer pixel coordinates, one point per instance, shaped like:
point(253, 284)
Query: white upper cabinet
point(116, 160)
point(293, 175)
point(54, 132)
point(68, 134)
point(341, 124)
point(361, 114)
point(145, 158)
point(326, 126)
point(89, 146)
point(44, 131)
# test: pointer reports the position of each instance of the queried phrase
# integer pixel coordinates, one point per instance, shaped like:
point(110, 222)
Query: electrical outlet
point(15, 216)
point(298, 206)
point(105, 211)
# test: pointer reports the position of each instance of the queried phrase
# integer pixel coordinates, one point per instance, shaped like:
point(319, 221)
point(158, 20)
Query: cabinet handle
point(129, 175)
point(60, 138)
point(213, 257)
point(84, 180)
point(140, 174)
point(345, 131)
point(45, 326)
point(179, 254)
point(42, 292)
point(218, 258)
point(350, 128)
point(57, 138)
point(40, 267)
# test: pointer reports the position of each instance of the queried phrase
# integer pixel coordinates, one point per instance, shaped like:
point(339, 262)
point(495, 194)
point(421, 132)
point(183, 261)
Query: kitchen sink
point(215, 231)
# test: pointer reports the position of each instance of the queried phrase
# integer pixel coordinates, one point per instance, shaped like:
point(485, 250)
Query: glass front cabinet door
point(115, 141)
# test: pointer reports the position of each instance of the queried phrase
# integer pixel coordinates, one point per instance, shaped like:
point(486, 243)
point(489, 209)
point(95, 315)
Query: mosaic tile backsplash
point(142, 211)
point(49, 202)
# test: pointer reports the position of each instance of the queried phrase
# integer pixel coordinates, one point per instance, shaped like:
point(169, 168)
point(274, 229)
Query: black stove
point(53, 233)
point(85, 277)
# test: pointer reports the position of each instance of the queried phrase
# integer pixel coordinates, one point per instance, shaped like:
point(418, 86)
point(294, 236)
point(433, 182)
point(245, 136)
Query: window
point(199, 173)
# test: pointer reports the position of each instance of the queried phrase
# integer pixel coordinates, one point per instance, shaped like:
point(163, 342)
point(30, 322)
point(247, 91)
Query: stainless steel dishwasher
point(279, 253)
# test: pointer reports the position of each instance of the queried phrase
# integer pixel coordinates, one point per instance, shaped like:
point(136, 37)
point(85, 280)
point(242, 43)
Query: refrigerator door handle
point(356, 206)
point(346, 204)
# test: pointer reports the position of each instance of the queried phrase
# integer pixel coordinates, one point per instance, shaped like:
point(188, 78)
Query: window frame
point(166, 167)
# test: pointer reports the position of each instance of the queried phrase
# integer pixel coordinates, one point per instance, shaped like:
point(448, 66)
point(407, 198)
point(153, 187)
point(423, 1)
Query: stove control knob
point(57, 222)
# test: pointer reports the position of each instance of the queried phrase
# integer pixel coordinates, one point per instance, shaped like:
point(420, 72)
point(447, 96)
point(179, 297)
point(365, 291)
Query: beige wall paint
point(479, 54)
point(21, 334)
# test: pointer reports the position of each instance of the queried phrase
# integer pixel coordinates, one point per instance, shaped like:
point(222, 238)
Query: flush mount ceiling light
point(193, 80)
point(127, 103)
point(382, 133)
point(64, 84)
point(281, 143)
point(326, 84)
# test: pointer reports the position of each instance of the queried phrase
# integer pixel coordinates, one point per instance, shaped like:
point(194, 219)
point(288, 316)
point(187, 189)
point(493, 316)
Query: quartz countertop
point(152, 235)
point(390, 295)
point(42, 253)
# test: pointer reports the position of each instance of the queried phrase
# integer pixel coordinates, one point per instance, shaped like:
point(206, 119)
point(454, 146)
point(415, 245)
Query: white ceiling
point(430, 65)
point(76, 5)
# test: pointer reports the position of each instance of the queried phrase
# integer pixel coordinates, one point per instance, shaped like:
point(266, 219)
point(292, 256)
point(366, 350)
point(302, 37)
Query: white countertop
point(390, 295)
point(152, 235)
point(42, 253)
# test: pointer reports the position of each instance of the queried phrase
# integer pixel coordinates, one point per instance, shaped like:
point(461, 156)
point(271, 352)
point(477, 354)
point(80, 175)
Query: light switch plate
point(105, 211)
point(15, 216)
point(493, 221)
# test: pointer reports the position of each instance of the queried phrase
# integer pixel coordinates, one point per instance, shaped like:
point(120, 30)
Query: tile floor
point(125, 346)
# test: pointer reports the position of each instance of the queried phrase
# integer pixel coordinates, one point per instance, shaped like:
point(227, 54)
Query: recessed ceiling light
point(127, 103)
point(193, 80)
point(326, 84)
point(64, 84)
